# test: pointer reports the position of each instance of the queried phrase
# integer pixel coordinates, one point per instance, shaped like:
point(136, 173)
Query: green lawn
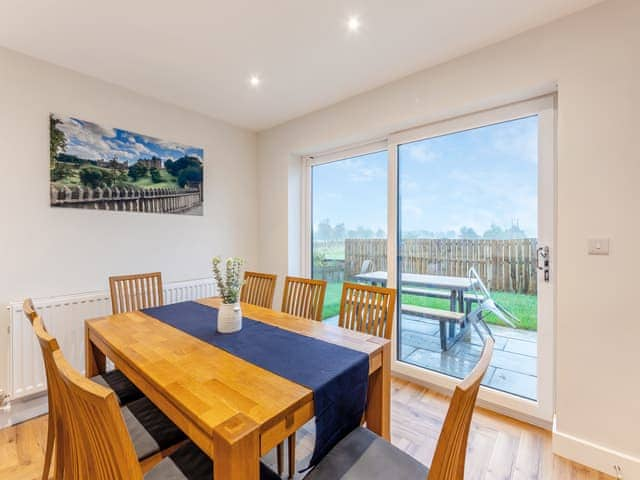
point(524, 307)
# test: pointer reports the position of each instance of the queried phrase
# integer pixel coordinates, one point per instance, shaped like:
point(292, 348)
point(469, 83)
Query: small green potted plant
point(229, 284)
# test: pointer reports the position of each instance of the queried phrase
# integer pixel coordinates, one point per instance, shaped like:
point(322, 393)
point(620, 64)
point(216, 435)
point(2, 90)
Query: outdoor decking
point(513, 366)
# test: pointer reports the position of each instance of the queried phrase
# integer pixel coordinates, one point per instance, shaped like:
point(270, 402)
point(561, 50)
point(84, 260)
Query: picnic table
point(439, 286)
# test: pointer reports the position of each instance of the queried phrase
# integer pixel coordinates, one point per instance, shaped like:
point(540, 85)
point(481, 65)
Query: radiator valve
point(5, 404)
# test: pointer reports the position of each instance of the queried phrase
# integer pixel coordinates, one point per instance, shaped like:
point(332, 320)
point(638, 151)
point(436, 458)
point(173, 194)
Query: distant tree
point(90, 176)
point(380, 233)
point(123, 176)
point(57, 140)
point(494, 232)
point(515, 231)
point(324, 231)
point(360, 232)
point(468, 232)
point(137, 170)
point(190, 175)
point(339, 232)
point(156, 177)
point(168, 166)
point(60, 172)
point(108, 177)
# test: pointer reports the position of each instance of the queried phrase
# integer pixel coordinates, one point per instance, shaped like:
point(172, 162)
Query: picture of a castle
point(95, 167)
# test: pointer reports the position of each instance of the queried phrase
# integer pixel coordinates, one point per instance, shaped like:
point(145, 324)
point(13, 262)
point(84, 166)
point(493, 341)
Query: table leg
point(95, 361)
point(378, 413)
point(236, 449)
point(452, 307)
point(461, 300)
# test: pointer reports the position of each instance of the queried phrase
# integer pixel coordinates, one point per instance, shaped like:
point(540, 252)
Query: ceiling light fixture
point(353, 24)
point(254, 80)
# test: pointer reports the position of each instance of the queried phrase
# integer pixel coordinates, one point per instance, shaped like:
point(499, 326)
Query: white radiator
point(64, 318)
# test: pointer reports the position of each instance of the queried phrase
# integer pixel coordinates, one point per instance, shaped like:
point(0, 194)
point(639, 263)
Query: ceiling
point(199, 54)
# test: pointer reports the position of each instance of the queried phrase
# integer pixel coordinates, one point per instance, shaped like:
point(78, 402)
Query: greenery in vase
point(229, 282)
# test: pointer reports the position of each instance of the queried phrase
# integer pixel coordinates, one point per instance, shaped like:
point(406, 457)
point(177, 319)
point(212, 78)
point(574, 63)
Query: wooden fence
point(505, 265)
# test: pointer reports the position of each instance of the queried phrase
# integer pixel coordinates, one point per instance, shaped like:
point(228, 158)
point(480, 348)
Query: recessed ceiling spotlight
point(254, 80)
point(353, 24)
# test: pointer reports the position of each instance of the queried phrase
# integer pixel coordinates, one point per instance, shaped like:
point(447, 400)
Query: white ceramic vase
point(229, 318)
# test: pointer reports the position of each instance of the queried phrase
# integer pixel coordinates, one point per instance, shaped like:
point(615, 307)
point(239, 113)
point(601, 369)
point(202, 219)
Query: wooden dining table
point(233, 410)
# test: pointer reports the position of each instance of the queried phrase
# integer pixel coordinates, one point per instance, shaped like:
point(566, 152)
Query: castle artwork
point(102, 168)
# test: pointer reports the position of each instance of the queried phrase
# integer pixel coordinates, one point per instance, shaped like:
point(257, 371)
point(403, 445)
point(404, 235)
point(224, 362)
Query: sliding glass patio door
point(474, 229)
point(459, 217)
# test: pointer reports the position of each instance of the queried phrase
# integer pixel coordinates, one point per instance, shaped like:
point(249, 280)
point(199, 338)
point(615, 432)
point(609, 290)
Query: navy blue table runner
point(337, 375)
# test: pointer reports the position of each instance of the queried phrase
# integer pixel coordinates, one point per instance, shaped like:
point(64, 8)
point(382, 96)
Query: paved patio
point(513, 366)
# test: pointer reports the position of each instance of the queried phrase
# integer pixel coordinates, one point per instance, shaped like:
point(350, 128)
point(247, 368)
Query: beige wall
point(594, 59)
point(46, 251)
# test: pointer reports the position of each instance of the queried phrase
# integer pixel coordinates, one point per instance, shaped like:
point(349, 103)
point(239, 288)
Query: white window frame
point(540, 411)
point(311, 161)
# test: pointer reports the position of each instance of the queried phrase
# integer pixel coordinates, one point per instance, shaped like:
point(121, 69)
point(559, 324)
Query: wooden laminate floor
point(499, 447)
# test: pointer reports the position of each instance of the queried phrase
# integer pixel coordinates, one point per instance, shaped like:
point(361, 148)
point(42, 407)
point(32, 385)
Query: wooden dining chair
point(155, 436)
point(258, 289)
point(304, 297)
point(362, 455)
point(98, 442)
point(48, 345)
point(367, 309)
point(135, 292)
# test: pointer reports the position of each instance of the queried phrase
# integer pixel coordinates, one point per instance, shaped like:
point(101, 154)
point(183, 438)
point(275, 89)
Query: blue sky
point(93, 142)
point(472, 178)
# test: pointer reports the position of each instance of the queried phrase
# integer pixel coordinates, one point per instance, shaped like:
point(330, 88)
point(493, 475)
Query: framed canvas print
point(102, 168)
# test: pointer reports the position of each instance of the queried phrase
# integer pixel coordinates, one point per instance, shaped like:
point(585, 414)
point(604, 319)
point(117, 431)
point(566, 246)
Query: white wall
point(48, 251)
point(594, 58)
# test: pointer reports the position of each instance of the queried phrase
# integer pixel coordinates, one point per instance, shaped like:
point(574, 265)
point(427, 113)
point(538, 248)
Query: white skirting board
point(64, 317)
point(594, 456)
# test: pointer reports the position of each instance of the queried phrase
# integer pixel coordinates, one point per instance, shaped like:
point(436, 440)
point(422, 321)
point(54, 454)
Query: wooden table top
point(206, 383)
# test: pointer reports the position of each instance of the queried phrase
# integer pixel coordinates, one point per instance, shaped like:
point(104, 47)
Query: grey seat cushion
point(150, 429)
point(190, 463)
point(125, 390)
point(362, 455)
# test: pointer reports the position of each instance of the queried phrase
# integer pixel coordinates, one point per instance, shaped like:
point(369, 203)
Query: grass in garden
point(524, 307)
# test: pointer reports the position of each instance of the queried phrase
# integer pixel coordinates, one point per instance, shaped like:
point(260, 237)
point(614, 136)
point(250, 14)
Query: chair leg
point(292, 454)
point(48, 454)
point(280, 455)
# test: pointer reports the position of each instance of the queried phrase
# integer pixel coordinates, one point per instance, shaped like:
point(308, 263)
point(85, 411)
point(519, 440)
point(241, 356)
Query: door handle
point(542, 261)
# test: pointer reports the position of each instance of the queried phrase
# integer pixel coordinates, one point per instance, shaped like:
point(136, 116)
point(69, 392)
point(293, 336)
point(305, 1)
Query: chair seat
point(362, 455)
point(150, 430)
point(190, 463)
point(125, 390)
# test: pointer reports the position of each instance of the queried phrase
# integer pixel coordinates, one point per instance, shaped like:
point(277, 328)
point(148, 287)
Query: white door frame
point(540, 411)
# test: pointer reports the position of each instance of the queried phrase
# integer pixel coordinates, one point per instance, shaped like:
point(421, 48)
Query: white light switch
point(598, 246)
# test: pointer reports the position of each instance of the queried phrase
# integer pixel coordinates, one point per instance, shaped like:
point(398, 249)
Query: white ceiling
point(199, 53)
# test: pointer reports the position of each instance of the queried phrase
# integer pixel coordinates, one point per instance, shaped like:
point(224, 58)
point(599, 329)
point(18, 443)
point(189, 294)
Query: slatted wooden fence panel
point(506, 265)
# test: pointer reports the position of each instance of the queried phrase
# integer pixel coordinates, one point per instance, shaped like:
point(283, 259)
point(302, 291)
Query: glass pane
point(349, 217)
point(468, 206)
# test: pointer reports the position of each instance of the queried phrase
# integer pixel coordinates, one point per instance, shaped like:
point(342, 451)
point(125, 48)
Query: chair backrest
point(134, 292)
point(367, 266)
point(449, 457)
point(304, 297)
point(258, 289)
point(486, 303)
point(48, 346)
point(367, 309)
point(96, 441)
